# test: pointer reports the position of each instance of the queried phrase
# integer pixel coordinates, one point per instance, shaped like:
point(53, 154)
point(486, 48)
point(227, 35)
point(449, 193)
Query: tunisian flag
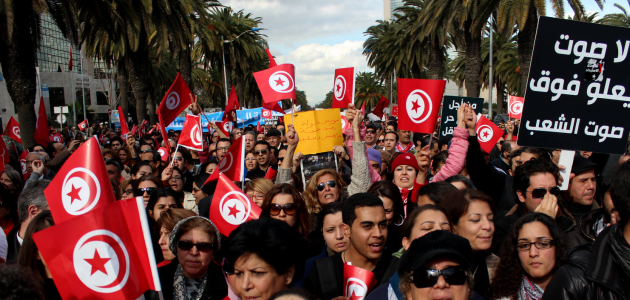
point(419, 101)
point(343, 88)
point(515, 106)
point(233, 163)
point(231, 207)
point(105, 254)
point(380, 107)
point(276, 84)
point(191, 133)
point(124, 129)
point(175, 101)
point(231, 107)
point(488, 133)
point(357, 282)
point(83, 124)
point(81, 185)
point(41, 130)
point(13, 130)
point(23, 164)
point(226, 127)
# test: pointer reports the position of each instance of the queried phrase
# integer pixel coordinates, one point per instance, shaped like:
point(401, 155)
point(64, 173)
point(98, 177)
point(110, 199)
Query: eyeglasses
point(263, 152)
point(371, 131)
point(178, 158)
point(424, 278)
point(176, 178)
point(540, 244)
point(381, 141)
point(322, 186)
point(129, 191)
point(202, 247)
point(540, 193)
point(289, 209)
point(148, 190)
point(250, 158)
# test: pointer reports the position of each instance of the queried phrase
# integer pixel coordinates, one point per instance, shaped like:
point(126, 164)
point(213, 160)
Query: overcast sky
point(321, 36)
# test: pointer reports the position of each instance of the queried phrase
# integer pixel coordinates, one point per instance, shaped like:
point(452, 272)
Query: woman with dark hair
point(164, 226)
point(141, 169)
point(193, 275)
point(263, 257)
point(174, 178)
point(125, 157)
point(208, 166)
point(128, 188)
point(14, 182)
point(472, 216)
point(530, 255)
point(147, 184)
point(200, 190)
point(285, 203)
point(392, 202)
point(8, 210)
point(161, 200)
point(29, 255)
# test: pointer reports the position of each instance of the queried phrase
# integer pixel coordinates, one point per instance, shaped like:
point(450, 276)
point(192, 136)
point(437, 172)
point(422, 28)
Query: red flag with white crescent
point(13, 130)
point(488, 133)
point(232, 165)
point(175, 101)
point(23, 164)
point(191, 133)
point(357, 282)
point(41, 129)
point(81, 185)
point(56, 137)
point(124, 129)
point(266, 113)
point(230, 207)
point(226, 127)
point(515, 106)
point(419, 101)
point(275, 84)
point(343, 88)
point(344, 124)
point(83, 125)
point(106, 253)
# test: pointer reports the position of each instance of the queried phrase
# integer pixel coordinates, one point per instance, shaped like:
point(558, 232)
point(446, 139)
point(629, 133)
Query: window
point(79, 97)
point(101, 98)
point(56, 97)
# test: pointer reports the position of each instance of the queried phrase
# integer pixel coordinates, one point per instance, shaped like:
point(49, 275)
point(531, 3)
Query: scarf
point(183, 290)
point(620, 248)
point(529, 290)
point(406, 149)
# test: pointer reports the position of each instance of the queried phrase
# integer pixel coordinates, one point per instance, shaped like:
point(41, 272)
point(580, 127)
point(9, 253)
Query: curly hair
point(303, 224)
point(507, 277)
point(310, 194)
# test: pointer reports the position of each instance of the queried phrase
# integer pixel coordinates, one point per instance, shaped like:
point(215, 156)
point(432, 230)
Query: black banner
point(576, 91)
point(449, 112)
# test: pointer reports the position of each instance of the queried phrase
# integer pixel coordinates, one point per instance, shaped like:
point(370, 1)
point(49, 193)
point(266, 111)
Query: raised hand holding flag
point(419, 101)
point(230, 207)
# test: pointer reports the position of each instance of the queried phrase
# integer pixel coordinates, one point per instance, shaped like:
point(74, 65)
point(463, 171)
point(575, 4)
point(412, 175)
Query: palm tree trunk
point(18, 66)
point(500, 96)
point(436, 61)
point(152, 107)
point(123, 86)
point(138, 67)
point(240, 86)
point(526, 38)
point(185, 67)
point(472, 70)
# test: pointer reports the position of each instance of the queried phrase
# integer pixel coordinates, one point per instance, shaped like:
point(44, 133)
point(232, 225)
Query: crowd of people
point(431, 218)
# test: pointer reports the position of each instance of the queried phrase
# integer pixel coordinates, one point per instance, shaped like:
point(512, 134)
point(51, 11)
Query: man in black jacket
point(600, 270)
point(31, 202)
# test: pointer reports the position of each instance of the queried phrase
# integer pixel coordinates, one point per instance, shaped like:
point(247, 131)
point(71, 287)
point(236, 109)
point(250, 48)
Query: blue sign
point(245, 118)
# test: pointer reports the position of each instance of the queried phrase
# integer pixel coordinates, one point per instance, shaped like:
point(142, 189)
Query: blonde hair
point(310, 194)
point(260, 185)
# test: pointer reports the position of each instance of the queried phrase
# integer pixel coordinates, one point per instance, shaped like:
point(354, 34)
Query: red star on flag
point(279, 82)
point(485, 133)
point(338, 87)
point(97, 263)
point(415, 106)
point(233, 211)
point(354, 296)
point(74, 194)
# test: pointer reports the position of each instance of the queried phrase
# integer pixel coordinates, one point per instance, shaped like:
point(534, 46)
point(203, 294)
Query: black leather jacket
point(589, 272)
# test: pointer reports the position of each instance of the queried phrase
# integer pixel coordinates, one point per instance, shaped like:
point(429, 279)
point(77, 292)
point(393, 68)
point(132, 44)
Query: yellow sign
point(319, 130)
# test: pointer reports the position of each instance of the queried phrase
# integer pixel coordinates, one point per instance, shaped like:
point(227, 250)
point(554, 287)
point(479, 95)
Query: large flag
point(343, 88)
point(231, 107)
point(81, 185)
point(232, 165)
point(13, 130)
point(191, 133)
point(105, 254)
point(230, 207)
point(124, 129)
point(175, 101)
point(488, 133)
point(419, 100)
point(515, 106)
point(41, 130)
point(276, 84)
point(272, 61)
point(380, 107)
point(83, 125)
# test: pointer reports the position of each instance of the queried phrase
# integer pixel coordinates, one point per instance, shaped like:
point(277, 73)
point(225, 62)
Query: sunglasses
point(322, 186)
point(381, 141)
point(260, 151)
point(424, 278)
point(129, 191)
point(540, 193)
point(202, 247)
point(178, 158)
point(148, 190)
point(145, 151)
point(371, 131)
point(280, 159)
point(289, 209)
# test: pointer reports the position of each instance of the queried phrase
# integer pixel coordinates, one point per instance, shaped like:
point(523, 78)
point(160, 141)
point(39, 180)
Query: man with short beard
point(391, 140)
point(364, 222)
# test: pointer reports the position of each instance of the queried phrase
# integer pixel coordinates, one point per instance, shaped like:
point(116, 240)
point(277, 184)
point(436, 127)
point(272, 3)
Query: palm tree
point(619, 19)
point(327, 103)
point(368, 90)
point(20, 36)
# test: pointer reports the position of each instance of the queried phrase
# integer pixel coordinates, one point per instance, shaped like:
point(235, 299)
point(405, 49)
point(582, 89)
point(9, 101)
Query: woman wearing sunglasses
point(164, 226)
point(147, 184)
point(193, 275)
point(530, 256)
point(284, 202)
point(437, 266)
point(472, 216)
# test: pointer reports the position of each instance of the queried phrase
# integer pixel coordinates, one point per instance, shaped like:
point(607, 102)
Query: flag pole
point(173, 159)
point(293, 111)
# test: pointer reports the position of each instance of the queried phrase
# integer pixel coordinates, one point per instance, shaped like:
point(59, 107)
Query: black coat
point(13, 245)
point(216, 287)
point(589, 272)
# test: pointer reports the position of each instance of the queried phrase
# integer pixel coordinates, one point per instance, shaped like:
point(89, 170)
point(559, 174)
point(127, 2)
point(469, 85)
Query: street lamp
point(224, 69)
